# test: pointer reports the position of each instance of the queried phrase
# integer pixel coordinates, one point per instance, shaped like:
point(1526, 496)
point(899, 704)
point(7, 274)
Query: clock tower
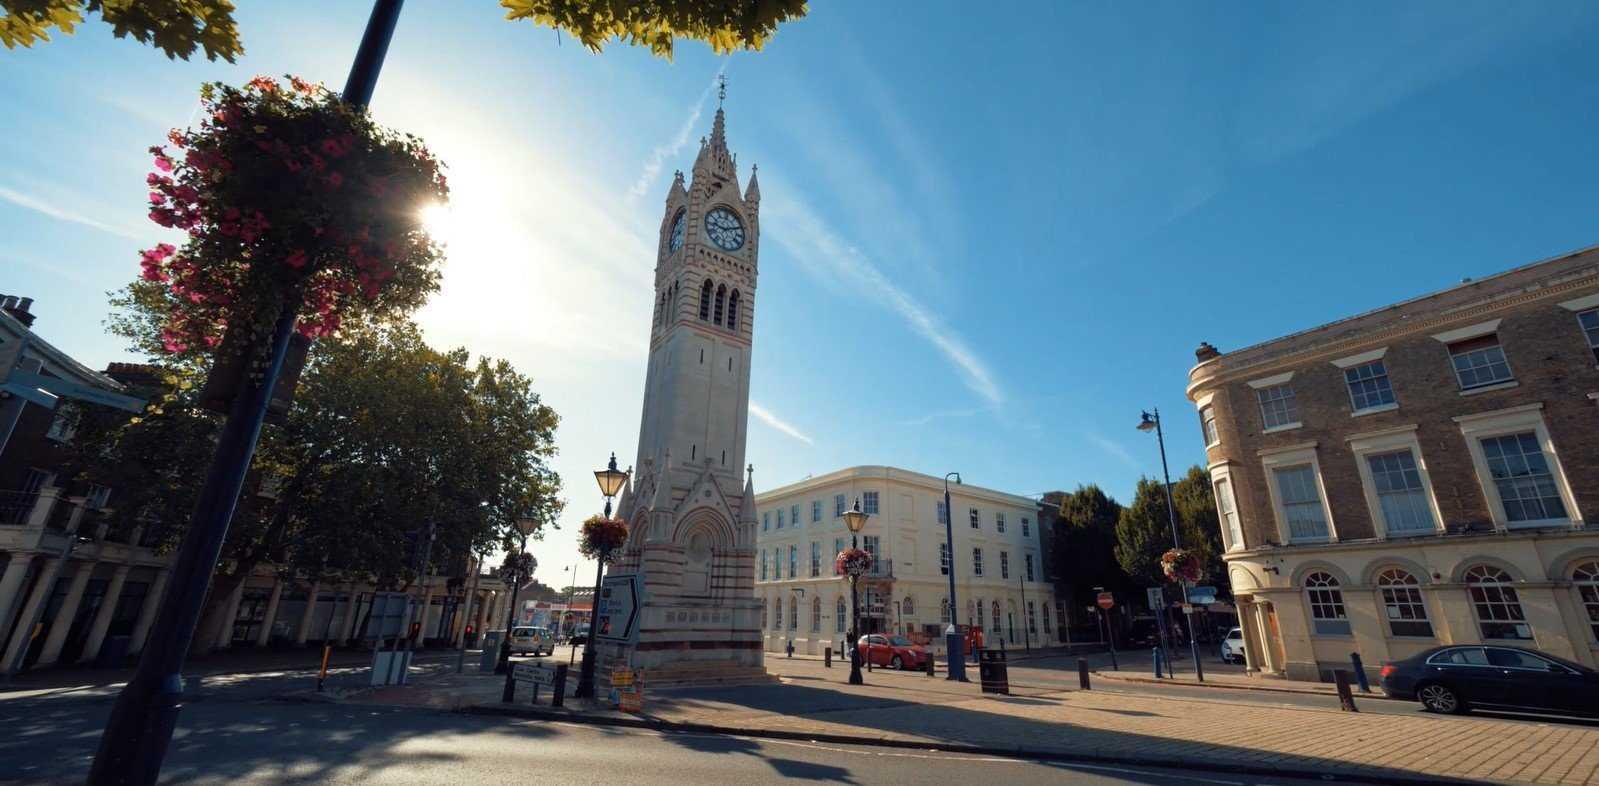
point(691, 512)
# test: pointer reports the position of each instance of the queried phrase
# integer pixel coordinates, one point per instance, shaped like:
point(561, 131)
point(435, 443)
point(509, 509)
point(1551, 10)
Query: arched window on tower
point(721, 300)
point(705, 301)
point(732, 310)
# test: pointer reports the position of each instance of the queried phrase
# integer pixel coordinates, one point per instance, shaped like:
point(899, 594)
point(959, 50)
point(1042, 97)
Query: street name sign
point(534, 673)
point(616, 612)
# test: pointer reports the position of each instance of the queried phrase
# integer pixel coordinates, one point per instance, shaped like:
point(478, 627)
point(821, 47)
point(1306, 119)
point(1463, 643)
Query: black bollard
point(1082, 673)
point(1360, 672)
point(509, 694)
point(827, 657)
point(1346, 699)
point(929, 665)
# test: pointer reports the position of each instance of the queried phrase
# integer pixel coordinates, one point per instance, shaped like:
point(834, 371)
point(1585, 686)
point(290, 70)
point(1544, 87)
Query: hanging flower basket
point(1182, 565)
point(601, 538)
point(289, 196)
point(853, 562)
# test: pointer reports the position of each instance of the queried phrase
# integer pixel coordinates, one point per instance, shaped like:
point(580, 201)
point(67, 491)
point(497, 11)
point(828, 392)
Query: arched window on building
point(1032, 618)
point(732, 311)
point(1046, 620)
point(1498, 607)
point(1402, 603)
point(816, 615)
point(777, 613)
point(1586, 578)
point(705, 301)
point(943, 611)
point(1326, 605)
point(793, 613)
point(907, 607)
point(840, 616)
point(721, 303)
point(994, 607)
point(979, 611)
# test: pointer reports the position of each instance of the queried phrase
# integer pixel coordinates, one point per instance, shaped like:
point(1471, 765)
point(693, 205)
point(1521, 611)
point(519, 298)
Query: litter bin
point(491, 650)
point(993, 671)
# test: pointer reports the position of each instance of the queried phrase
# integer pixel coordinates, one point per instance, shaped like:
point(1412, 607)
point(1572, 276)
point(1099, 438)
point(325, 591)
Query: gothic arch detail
point(705, 301)
point(732, 311)
point(721, 301)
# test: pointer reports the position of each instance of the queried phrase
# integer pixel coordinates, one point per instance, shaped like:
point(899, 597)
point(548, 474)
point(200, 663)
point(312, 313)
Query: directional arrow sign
point(616, 613)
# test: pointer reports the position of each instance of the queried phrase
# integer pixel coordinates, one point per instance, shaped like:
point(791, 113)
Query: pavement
point(1106, 726)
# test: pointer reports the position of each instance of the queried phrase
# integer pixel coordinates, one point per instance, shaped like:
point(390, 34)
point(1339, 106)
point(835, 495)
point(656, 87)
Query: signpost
point(616, 610)
point(1107, 600)
point(538, 675)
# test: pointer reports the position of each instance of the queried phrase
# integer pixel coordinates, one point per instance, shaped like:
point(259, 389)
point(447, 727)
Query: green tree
point(388, 439)
point(1199, 523)
point(1143, 533)
point(179, 27)
point(176, 27)
point(1083, 549)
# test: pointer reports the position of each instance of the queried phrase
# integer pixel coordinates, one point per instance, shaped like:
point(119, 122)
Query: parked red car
point(893, 651)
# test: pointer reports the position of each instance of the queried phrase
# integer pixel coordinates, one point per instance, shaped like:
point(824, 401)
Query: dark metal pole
point(504, 663)
point(140, 728)
point(955, 648)
point(137, 734)
point(585, 676)
point(855, 624)
point(1176, 543)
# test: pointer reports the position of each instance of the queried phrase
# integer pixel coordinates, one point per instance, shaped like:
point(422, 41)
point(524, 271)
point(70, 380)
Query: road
point(231, 734)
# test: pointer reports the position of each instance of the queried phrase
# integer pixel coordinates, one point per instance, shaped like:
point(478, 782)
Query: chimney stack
point(1206, 352)
point(18, 307)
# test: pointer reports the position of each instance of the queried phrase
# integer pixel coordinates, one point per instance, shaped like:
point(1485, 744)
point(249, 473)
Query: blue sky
point(989, 240)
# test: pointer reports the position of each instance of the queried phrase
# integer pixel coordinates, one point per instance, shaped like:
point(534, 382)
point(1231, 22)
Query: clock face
point(679, 224)
point(724, 229)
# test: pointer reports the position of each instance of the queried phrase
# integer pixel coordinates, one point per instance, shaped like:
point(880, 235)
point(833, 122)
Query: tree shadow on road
point(789, 768)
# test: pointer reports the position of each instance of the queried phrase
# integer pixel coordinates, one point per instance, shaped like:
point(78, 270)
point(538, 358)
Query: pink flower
point(163, 163)
point(157, 198)
point(335, 180)
point(296, 260)
point(332, 147)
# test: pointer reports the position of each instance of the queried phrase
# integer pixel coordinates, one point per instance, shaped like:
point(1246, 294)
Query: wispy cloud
point(1110, 446)
point(964, 412)
point(813, 243)
point(775, 422)
point(40, 205)
point(658, 156)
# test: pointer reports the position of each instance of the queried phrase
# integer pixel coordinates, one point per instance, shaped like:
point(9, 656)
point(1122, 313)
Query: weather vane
point(721, 91)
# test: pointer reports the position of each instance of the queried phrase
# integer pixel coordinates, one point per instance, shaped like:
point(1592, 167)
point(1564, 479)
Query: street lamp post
point(954, 648)
point(611, 480)
point(526, 527)
point(1151, 422)
point(855, 519)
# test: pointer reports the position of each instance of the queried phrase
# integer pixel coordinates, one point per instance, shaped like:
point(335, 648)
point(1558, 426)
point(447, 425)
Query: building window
point(1032, 618)
point(1368, 386)
point(999, 521)
point(977, 562)
point(870, 544)
point(816, 510)
point(1521, 473)
point(1047, 631)
point(1479, 361)
point(765, 614)
point(793, 613)
point(816, 559)
point(1402, 604)
point(777, 613)
point(838, 545)
point(1401, 496)
point(979, 612)
point(1586, 579)
point(869, 503)
point(64, 424)
point(816, 603)
point(840, 615)
point(763, 564)
point(1278, 407)
point(1028, 560)
point(1004, 564)
point(779, 518)
point(732, 310)
point(976, 521)
point(1026, 533)
point(777, 564)
point(943, 515)
point(793, 562)
point(721, 300)
point(793, 515)
point(838, 505)
point(705, 301)
point(994, 607)
point(943, 559)
point(1232, 531)
point(766, 520)
point(1326, 605)
point(1589, 320)
point(1498, 607)
point(943, 611)
point(1207, 425)
point(1301, 503)
point(97, 497)
point(907, 607)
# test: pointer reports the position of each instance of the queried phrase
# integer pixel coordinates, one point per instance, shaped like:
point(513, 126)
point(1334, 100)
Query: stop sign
point(1106, 600)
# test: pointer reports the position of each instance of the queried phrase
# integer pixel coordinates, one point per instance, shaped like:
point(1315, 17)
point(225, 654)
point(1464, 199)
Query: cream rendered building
point(1000, 585)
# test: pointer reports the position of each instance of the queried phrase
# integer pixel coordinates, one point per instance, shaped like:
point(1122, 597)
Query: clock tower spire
point(691, 523)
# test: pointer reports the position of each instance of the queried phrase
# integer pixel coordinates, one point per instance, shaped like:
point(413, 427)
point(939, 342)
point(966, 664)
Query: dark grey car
point(1458, 678)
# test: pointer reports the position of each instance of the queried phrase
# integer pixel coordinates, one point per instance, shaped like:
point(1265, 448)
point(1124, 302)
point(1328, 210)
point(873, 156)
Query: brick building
point(1415, 475)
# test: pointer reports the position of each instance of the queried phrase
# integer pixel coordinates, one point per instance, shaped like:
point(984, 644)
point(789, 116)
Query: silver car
point(538, 641)
point(1232, 646)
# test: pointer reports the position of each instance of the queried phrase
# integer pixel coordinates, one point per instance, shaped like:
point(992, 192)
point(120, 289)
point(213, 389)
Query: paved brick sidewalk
point(912, 709)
